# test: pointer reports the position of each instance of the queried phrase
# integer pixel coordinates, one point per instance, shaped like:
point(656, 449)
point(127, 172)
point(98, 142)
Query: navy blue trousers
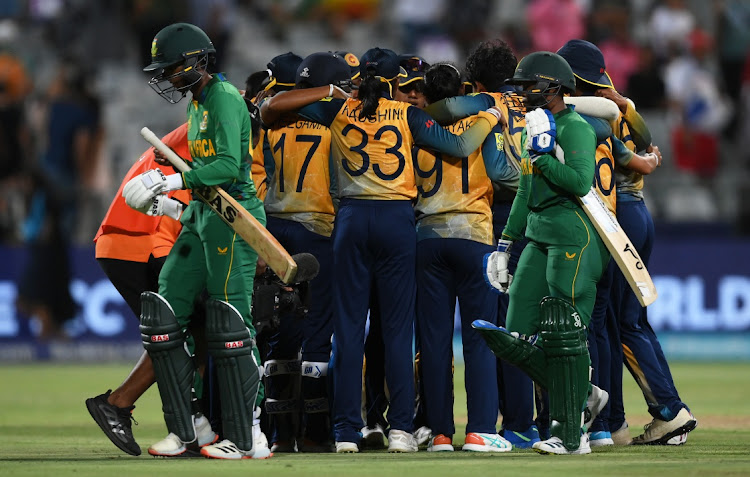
point(636, 339)
point(374, 244)
point(448, 269)
point(515, 388)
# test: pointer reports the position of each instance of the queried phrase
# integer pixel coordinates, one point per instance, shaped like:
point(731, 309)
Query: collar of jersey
point(217, 78)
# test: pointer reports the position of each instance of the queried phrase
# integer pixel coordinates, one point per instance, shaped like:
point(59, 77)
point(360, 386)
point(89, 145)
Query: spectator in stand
point(646, 86)
point(620, 52)
point(669, 27)
point(553, 22)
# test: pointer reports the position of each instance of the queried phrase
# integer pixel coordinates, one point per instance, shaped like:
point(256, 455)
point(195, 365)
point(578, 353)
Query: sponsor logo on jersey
point(222, 251)
point(159, 338)
point(429, 123)
point(570, 256)
point(204, 122)
point(499, 141)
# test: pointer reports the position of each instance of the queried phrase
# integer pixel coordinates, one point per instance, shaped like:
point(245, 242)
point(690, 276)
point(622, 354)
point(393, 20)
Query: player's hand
point(139, 191)
point(339, 93)
point(651, 149)
point(541, 133)
point(612, 95)
point(496, 267)
point(163, 205)
point(498, 113)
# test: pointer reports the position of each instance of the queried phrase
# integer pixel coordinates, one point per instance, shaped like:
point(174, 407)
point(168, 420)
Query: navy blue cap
point(587, 62)
point(320, 69)
point(351, 60)
point(382, 62)
point(415, 67)
point(283, 69)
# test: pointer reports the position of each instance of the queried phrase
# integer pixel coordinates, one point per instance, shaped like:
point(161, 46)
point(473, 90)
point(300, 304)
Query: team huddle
point(413, 196)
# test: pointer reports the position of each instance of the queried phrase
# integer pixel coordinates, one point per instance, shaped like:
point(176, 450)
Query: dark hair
point(441, 81)
point(491, 63)
point(254, 113)
point(370, 92)
point(255, 83)
point(586, 89)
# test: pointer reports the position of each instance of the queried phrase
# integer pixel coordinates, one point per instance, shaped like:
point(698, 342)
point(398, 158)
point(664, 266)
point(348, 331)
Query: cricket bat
point(239, 219)
point(617, 242)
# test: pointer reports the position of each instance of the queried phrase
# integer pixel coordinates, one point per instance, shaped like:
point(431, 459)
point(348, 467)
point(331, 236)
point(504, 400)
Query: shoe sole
point(480, 448)
point(662, 441)
point(93, 409)
point(546, 452)
point(186, 454)
point(441, 448)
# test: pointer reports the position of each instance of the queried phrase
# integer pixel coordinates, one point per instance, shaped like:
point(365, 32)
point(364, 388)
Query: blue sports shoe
point(522, 440)
point(600, 438)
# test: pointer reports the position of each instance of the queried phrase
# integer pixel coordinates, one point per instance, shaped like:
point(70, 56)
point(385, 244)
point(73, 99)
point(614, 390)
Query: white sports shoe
point(594, 405)
point(658, 432)
point(347, 448)
point(554, 445)
point(401, 441)
point(481, 442)
point(172, 446)
point(422, 435)
point(225, 449)
point(260, 444)
point(621, 437)
point(373, 437)
point(678, 440)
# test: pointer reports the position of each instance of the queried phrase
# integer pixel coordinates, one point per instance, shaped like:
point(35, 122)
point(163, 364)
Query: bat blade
point(236, 217)
point(620, 247)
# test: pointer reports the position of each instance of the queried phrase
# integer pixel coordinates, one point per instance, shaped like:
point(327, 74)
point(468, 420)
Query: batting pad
point(516, 351)
point(164, 340)
point(564, 337)
point(231, 346)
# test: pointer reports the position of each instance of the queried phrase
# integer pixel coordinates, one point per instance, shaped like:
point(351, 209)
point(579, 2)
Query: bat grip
point(171, 156)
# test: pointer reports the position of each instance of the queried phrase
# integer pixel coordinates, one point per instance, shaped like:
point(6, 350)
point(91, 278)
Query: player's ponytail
point(370, 92)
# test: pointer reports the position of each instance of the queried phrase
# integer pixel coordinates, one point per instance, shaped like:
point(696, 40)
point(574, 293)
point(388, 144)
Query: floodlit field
point(46, 430)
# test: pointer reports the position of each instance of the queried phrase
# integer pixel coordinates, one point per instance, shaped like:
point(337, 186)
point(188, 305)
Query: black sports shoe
point(114, 422)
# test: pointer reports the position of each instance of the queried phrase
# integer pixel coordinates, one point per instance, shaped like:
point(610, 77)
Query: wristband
point(330, 90)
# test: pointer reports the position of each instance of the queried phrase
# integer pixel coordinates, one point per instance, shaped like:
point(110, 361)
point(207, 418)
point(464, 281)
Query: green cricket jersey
point(219, 141)
point(546, 200)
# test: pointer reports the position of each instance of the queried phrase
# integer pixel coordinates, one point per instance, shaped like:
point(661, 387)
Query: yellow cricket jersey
point(258, 170)
point(628, 181)
point(454, 194)
point(513, 109)
point(373, 156)
point(299, 188)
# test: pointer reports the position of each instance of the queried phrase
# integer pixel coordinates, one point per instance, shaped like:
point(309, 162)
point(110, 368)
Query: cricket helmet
point(179, 44)
point(540, 74)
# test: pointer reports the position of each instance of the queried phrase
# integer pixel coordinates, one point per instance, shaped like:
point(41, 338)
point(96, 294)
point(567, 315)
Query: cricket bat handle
point(171, 156)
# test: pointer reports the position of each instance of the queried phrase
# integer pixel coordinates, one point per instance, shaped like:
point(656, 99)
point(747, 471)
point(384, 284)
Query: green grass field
point(46, 430)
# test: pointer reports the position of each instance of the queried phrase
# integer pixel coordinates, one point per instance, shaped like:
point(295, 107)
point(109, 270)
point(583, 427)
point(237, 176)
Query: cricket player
point(553, 291)
point(372, 140)
point(642, 352)
point(207, 254)
point(454, 232)
point(301, 211)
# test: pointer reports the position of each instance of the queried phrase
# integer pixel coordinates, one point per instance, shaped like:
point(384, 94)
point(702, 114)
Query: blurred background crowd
point(72, 96)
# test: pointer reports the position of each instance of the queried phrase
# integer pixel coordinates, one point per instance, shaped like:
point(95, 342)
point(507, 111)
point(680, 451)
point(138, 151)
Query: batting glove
point(541, 133)
point(139, 191)
point(163, 205)
point(496, 267)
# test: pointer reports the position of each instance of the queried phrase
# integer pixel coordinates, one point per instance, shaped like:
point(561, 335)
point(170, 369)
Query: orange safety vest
point(126, 234)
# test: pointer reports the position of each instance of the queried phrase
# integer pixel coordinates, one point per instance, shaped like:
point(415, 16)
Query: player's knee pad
point(564, 337)
point(164, 340)
point(231, 346)
point(516, 349)
point(314, 386)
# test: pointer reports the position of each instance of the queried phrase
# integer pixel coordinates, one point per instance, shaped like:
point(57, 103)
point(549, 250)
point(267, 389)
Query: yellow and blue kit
point(454, 232)
point(374, 241)
point(300, 213)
